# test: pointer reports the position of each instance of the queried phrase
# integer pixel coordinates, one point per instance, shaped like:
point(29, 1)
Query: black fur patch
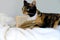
point(32, 11)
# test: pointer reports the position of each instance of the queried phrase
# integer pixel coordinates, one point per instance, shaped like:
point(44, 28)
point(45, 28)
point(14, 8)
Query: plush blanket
point(7, 33)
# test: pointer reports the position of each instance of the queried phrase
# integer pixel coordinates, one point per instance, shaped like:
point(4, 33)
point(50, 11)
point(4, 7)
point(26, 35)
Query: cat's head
point(29, 8)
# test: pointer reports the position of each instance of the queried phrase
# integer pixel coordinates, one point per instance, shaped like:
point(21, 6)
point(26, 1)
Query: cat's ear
point(25, 3)
point(34, 2)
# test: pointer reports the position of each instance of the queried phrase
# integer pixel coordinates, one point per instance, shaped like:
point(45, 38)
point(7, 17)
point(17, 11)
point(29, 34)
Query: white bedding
point(7, 33)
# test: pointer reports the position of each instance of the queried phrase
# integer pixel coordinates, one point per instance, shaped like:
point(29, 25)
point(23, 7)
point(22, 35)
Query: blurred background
point(14, 7)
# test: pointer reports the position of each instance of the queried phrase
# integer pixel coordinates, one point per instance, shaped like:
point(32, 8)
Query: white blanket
point(7, 33)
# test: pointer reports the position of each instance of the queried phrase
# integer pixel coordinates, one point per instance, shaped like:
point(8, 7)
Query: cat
point(42, 20)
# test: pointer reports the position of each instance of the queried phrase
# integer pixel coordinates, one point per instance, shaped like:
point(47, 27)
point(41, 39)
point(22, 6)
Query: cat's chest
point(32, 18)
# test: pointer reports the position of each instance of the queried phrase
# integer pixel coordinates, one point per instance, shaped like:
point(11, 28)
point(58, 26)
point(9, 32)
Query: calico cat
point(43, 20)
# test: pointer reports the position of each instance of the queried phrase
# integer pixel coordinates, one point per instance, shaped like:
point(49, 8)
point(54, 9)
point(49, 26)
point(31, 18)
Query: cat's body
point(42, 20)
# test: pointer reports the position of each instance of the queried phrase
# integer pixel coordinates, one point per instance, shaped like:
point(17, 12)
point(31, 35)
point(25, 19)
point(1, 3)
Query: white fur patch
point(32, 18)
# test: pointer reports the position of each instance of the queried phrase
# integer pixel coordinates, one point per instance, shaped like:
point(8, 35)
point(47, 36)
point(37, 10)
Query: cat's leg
point(56, 24)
